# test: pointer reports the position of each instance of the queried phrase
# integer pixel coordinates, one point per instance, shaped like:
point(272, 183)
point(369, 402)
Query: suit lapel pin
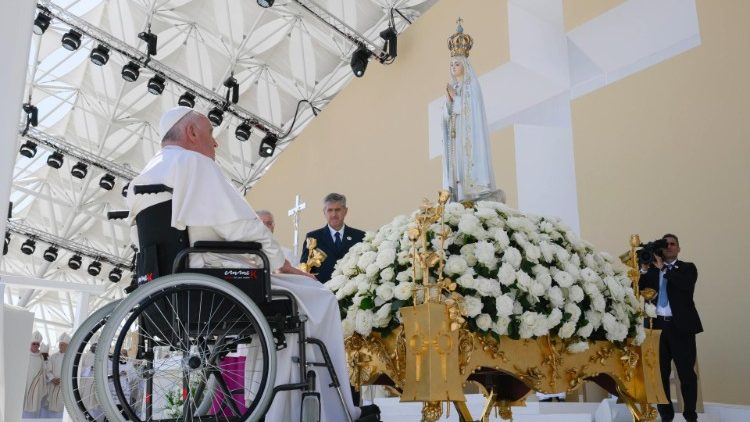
point(348, 238)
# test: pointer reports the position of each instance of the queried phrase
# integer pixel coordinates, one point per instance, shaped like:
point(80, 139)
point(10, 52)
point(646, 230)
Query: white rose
point(506, 275)
point(350, 287)
point(348, 325)
point(563, 279)
point(545, 279)
point(578, 347)
point(650, 309)
point(385, 291)
point(336, 282)
point(382, 316)
point(372, 270)
point(554, 318)
point(485, 253)
point(513, 257)
point(466, 281)
point(519, 223)
point(501, 325)
point(572, 269)
point(403, 291)
point(455, 265)
point(536, 289)
point(556, 297)
point(472, 305)
point(546, 227)
point(504, 305)
point(467, 253)
point(594, 317)
point(404, 276)
point(387, 274)
point(615, 289)
point(640, 334)
point(562, 254)
point(532, 252)
point(366, 259)
point(363, 322)
point(529, 323)
point(598, 303)
point(385, 257)
point(589, 276)
point(484, 322)
point(524, 280)
point(574, 311)
point(586, 330)
point(500, 236)
point(615, 331)
point(547, 250)
point(575, 293)
point(469, 224)
point(567, 330)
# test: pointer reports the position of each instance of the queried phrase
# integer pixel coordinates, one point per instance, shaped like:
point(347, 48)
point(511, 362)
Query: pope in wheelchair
point(226, 327)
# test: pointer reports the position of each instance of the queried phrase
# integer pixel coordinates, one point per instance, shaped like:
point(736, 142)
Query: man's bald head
point(267, 218)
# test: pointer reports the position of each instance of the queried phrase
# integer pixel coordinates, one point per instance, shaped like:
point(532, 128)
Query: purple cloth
point(233, 371)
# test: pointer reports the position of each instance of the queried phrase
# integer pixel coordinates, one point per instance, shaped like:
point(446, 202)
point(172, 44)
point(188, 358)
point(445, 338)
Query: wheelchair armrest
point(118, 215)
point(220, 245)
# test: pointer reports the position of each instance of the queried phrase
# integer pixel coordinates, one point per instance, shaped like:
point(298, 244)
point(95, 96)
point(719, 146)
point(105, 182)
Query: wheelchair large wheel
point(187, 324)
point(77, 378)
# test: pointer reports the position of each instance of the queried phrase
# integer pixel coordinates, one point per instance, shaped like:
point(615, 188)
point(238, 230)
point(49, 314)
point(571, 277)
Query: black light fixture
point(95, 268)
point(41, 23)
point(50, 255)
point(55, 160)
point(267, 145)
point(79, 170)
point(390, 37)
point(156, 84)
point(359, 61)
point(71, 40)
point(32, 114)
point(107, 182)
point(100, 55)
point(243, 131)
point(115, 275)
point(75, 262)
point(125, 190)
point(131, 71)
point(28, 247)
point(151, 40)
point(265, 3)
point(187, 100)
point(7, 243)
point(28, 149)
point(216, 116)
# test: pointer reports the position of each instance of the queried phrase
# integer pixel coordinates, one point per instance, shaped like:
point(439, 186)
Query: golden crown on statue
point(459, 43)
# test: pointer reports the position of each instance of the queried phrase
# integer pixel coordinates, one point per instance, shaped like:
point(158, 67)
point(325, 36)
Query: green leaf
point(367, 303)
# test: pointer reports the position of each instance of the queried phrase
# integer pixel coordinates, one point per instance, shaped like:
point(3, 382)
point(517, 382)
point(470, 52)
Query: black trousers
point(677, 346)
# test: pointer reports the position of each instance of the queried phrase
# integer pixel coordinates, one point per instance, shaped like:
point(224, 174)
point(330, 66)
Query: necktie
point(337, 240)
point(663, 300)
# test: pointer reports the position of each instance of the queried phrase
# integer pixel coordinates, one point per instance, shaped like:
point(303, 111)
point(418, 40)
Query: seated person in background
point(205, 202)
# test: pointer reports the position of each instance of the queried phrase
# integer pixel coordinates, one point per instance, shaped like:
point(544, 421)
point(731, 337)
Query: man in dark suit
point(335, 238)
point(679, 321)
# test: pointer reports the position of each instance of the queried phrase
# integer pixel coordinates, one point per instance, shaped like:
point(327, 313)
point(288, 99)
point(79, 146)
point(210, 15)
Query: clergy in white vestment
point(266, 217)
point(35, 379)
point(54, 403)
point(204, 202)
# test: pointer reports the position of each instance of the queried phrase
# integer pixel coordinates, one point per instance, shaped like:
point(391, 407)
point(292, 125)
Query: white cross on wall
point(548, 68)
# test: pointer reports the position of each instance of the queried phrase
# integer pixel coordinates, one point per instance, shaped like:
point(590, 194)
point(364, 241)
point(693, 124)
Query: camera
point(648, 251)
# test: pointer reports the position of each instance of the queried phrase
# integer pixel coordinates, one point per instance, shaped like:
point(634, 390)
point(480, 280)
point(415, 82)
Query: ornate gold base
point(508, 370)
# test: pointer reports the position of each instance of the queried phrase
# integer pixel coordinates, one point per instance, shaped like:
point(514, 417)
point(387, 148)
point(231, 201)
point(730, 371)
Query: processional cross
point(294, 213)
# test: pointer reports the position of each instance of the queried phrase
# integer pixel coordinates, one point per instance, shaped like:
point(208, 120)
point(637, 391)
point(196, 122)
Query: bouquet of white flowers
point(520, 276)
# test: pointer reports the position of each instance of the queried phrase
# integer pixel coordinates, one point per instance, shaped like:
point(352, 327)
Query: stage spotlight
point(390, 37)
point(265, 3)
point(115, 275)
point(28, 149)
point(28, 247)
point(55, 160)
point(216, 116)
point(50, 255)
point(156, 84)
point(131, 71)
point(100, 55)
point(243, 131)
point(41, 23)
point(359, 61)
point(107, 182)
point(71, 40)
point(125, 190)
point(75, 262)
point(187, 100)
point(267, 145)
point(79, 170)
point(7, 243)
point(95, 268)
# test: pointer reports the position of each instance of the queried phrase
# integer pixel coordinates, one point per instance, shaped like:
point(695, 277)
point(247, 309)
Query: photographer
point(674, 280)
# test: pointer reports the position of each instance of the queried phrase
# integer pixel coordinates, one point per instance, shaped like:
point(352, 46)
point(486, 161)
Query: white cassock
point(55, 402)
point(206, 203)
point(35, 385)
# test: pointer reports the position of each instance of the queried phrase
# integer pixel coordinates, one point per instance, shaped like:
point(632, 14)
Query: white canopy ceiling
point(279, 56)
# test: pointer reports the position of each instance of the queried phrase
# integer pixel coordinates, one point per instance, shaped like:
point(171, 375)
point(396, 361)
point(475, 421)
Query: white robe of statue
point(35, 385)
point(206, 203)
point(467, 158)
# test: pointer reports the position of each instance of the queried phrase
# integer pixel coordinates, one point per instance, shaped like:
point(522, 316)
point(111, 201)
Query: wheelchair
point(204, 340)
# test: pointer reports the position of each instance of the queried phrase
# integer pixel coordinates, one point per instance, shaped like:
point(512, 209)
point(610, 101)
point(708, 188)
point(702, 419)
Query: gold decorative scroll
point(315, 256)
